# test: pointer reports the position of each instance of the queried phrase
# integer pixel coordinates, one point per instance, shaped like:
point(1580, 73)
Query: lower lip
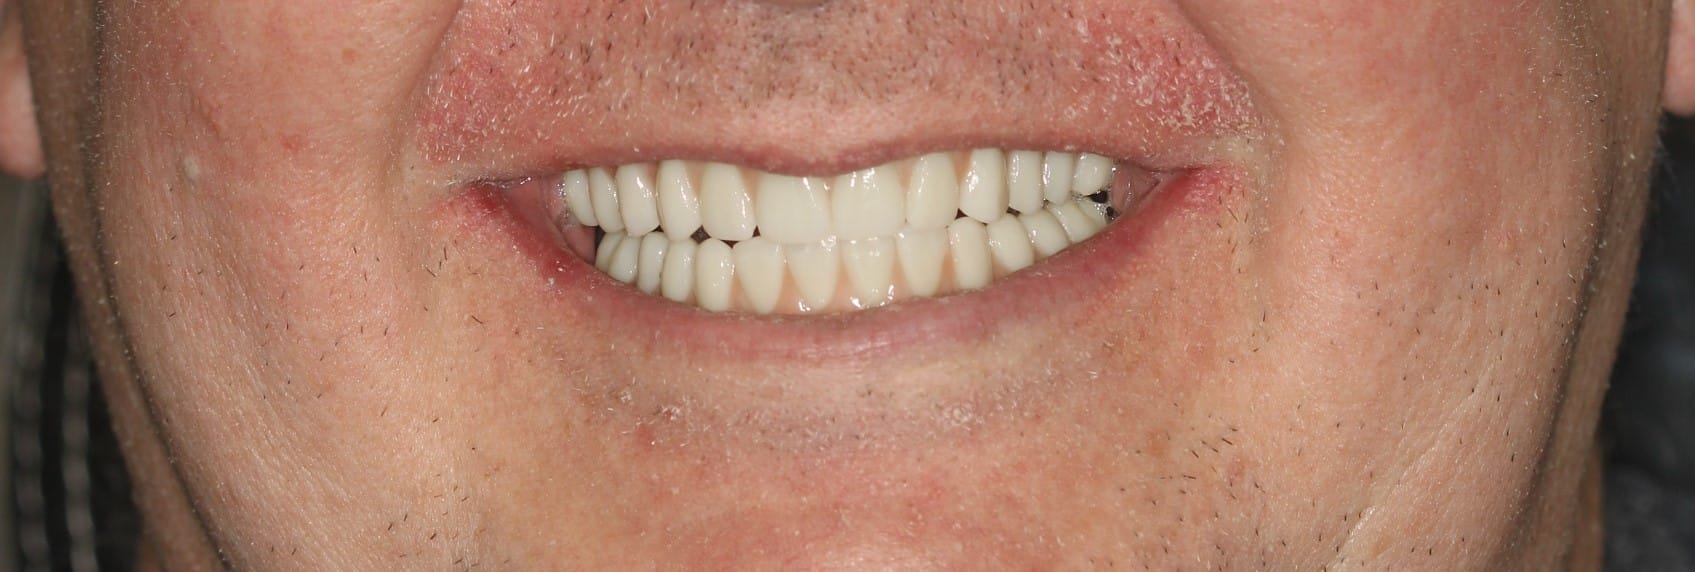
point(1067, 286)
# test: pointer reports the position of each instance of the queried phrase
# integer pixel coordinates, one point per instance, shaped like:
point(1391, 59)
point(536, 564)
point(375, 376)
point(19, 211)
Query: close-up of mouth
point(916, 216)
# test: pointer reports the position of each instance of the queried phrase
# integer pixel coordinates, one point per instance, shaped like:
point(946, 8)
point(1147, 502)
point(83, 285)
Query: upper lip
point(1144, 88)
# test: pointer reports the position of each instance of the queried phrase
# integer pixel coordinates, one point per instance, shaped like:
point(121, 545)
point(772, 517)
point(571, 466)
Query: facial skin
point(1375, 333)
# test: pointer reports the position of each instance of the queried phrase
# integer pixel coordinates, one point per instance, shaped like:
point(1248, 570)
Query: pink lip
point(1130, 80)
point(1065, 286)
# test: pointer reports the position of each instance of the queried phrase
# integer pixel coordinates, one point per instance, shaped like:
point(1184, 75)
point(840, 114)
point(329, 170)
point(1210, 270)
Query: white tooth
point(715, 275)
point(792, 210)
point(604, 193)
point(636, 199)
point(1024, 180)
point(651, 263)
point(603, 253)
point(1093, 174)
point(1077, 225)
point(1010, 244)
point(1058, 173)
point(679, 207)
point(870, 265)
point(868, 203)
point(1096, 211)
point(677, 281)
point(816, 269)
point(1046, 234)
point(726, 210)
point(760, 271)
point(932, 198)
point(969, 242)
point(983, 197)
point(921, 255)
point(575, 186)
point(624, 259)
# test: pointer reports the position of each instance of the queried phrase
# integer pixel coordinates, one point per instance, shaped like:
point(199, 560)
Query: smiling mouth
point(727, 238)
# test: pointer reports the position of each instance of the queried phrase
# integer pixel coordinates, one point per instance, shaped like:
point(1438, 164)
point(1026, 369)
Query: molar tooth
point(651, 263)
point(816, 269)
point(969, 242)
point(625, 258)
point(603, 252)
point(1010, 244)
point(870, 265)
point(921, 255)
point(1046, 234)
point(868, 203)
point(726, 210)
point(932, 197)
point(792, 210)
point(1096, 212)
point(1094, 172)
point(677, 280)
point(1024, 180)
point(575, 186)
point(983, 196)
point(679, 207)
point(759, 271)
point(1077, 225)
point(604, 194)
point(715, 275)
point(636, 199)
point(1058, 172)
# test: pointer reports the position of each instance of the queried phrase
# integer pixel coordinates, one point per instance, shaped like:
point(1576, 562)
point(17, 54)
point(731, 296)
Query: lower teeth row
point(759, 275)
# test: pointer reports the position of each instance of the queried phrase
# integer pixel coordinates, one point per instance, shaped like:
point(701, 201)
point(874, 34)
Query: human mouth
point(727, 238)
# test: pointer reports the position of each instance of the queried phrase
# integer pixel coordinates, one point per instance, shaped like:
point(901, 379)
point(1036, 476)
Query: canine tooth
point(759, 271)
point(921, 255)
point(1058, 173)
point(1046, 234)
point(715, 275)
point(1024, 180)
point(870, 265)
point(677, 280)
point(1077, 225)
point(868, 203)
point(575, 186)
point(816, 269)
point(969, 242)
point(1010, 244)
point(636, 199)
point(1093, 174)
point(983, 196)
point(932, 197)
point(651, 263)
point(624, 259)
point(726, 210)
point(679, 207)
point(792, 210)
point(603, 252)
point(603, 192)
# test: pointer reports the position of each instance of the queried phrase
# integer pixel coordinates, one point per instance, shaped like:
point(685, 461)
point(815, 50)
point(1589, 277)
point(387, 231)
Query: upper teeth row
point(732, 203)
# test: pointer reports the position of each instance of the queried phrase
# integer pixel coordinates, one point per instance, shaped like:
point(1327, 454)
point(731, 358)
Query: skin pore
point(1372, 329)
